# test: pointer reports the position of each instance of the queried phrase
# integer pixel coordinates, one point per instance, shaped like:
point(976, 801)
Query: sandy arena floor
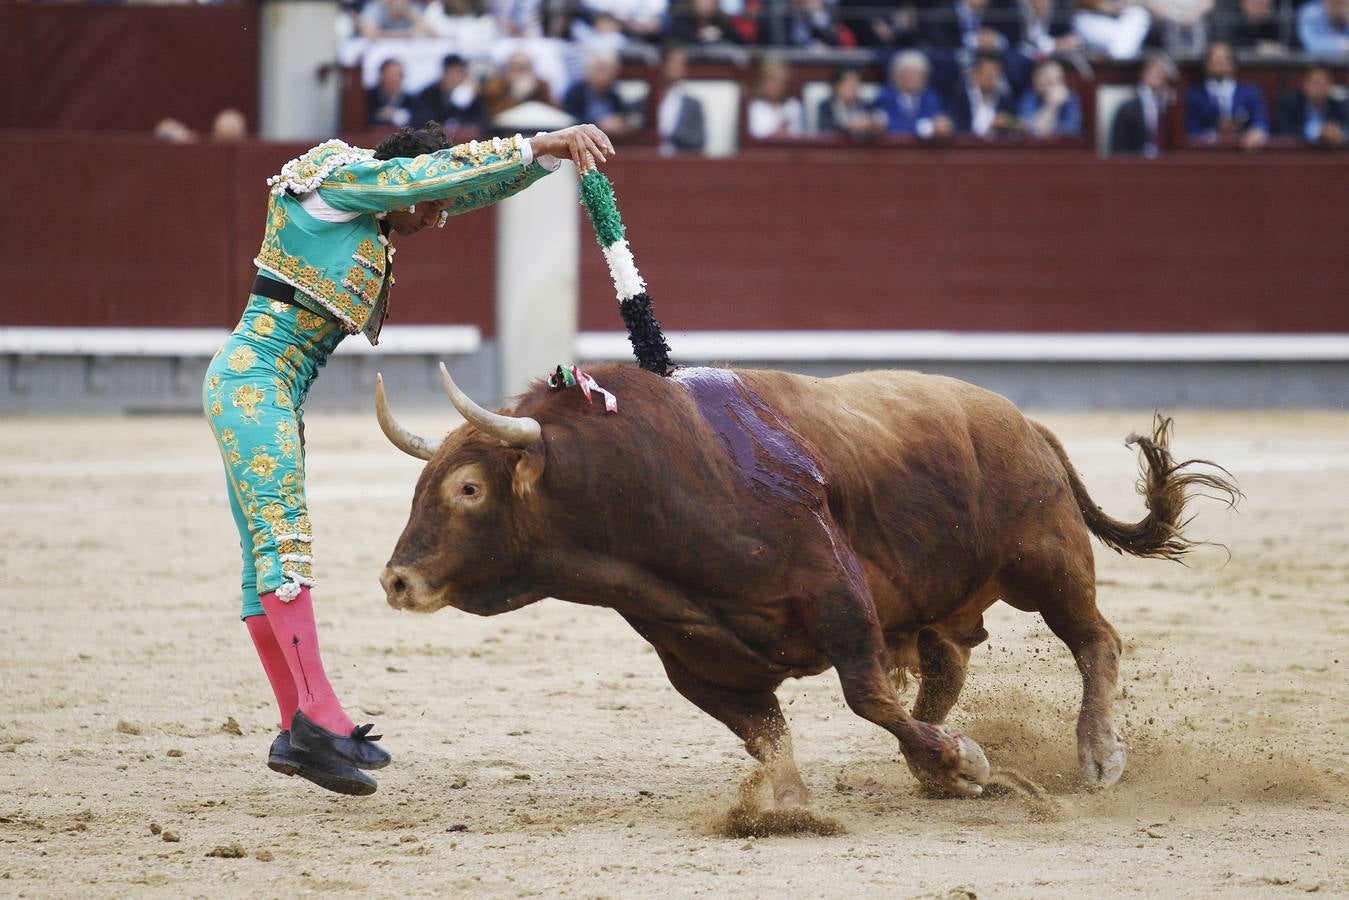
point(543, 752)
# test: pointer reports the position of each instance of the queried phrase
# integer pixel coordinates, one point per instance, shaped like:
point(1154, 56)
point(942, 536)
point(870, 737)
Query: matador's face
point(424, 215)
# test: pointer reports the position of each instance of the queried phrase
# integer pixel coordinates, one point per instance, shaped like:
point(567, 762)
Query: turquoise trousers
point(253, 397)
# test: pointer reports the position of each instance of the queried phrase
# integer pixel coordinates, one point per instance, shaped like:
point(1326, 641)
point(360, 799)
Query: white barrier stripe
point(881, 346)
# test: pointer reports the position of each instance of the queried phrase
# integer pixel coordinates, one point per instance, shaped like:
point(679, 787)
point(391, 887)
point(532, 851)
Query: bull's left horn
point(400, 437)
point(515, 431)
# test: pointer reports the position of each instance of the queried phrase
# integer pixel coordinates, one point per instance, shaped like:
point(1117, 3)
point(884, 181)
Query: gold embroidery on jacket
point(310, 280)
point(365, 286)
point(484, 160)
point(370, 255)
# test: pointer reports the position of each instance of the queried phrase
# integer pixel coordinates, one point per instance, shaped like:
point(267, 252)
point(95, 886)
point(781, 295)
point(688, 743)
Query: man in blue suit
point(1313, 113)
point(982, 104)
point(1223, 107)
point(909, 105)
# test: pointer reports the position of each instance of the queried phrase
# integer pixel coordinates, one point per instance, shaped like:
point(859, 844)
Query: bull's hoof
point(791, 797)
point(1101, 758)
point(963, 772)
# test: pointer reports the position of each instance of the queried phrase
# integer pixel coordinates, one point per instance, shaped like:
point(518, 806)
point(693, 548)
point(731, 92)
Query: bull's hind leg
point(1060, 582)
point(942, 663)
point(753, 716)
point(1096, 647)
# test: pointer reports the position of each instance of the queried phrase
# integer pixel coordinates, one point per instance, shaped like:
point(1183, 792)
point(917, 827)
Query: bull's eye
point(465, 487)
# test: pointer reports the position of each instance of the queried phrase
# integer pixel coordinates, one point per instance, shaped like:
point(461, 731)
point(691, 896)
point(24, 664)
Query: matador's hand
point(574, 143)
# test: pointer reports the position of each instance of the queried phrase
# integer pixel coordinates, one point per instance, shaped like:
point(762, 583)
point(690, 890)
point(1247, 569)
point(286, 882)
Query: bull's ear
point(528, 470)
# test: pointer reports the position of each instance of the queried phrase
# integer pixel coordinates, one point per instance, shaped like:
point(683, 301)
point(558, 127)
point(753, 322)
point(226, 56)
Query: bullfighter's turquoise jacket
point(323, 234)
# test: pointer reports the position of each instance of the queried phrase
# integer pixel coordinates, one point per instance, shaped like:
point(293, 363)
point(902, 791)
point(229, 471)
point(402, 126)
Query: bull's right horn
point(400, 437)
point(515, 431)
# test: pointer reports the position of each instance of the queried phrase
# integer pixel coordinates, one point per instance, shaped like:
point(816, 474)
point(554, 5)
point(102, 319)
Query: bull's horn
point(400, 437)
point(516, 431)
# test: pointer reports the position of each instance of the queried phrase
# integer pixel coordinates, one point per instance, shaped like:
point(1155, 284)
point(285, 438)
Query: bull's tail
point(1166, 485)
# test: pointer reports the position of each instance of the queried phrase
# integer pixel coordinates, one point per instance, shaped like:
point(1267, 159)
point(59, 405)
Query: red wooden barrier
point(125, 68)
point(988, 240)
point(129, 231)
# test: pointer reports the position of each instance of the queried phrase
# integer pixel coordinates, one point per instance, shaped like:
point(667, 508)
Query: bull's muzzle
point(404, 589)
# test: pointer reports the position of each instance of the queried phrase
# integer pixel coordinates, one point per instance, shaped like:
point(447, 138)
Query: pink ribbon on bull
point(588, 384)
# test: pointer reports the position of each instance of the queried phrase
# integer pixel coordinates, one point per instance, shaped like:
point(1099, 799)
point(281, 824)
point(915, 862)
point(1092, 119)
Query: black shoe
point(359, 750)
point(333, 776)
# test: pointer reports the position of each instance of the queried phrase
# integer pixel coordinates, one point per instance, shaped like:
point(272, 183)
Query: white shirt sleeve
point(317, 207)
point(551, 163)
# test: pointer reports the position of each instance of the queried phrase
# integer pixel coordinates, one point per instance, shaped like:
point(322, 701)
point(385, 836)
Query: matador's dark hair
point(408, 142)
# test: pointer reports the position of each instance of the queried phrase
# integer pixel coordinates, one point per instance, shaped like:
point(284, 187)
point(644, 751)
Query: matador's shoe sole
point(328, 774)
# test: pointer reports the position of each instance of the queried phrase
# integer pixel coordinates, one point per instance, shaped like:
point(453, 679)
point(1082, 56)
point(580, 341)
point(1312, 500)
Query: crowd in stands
point(986, 68)
point(1115, 28)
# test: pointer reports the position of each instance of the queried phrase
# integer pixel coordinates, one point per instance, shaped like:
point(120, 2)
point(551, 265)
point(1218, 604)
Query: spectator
point(1313, 113)
point(890, 24)
point(348, 23)
point(391, 18)
point(595, 99)
point(602, 34)
point(173, 131)
point(1049, 108)
point(466, 22)
point(703, 22)
point(773, 114)
point(1323, 27)
point(519, 18)
point(1045, 29)
point(1139, 127)
point(229, 125)
point(453, 101)
point(641, 19)
point(1223, 107)
point(1182, 25)
point(1115, 28)
point(843, 112)
point(970, 25)
point(908, 104)
point(680, 121)
point(387, 103)
point(807, 24)
point(1252, 25)
point(517, 83)
point(982, 104)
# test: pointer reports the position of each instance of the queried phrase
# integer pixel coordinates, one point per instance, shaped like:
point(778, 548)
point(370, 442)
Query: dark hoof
point(327, 774)
point(962, 770)
point(358, 749)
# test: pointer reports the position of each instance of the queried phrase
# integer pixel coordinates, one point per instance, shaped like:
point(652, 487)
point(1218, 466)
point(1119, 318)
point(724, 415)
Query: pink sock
point(274, 664)
point(292, 624)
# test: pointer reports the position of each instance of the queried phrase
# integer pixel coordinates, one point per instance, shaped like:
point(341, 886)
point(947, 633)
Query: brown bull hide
point(755, 526)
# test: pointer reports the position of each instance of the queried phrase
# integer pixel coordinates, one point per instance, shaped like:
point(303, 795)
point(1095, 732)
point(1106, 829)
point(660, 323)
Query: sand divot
point(1043, 806)
point(747, 817)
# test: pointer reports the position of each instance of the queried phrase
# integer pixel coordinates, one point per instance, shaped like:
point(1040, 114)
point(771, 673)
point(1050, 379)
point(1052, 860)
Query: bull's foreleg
point(843, 621)
point(755, 718)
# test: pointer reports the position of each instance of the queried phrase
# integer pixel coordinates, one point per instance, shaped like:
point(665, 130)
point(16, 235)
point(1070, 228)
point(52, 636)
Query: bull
point(755, 526)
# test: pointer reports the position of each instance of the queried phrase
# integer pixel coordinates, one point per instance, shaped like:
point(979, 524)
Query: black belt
point(273, 289)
